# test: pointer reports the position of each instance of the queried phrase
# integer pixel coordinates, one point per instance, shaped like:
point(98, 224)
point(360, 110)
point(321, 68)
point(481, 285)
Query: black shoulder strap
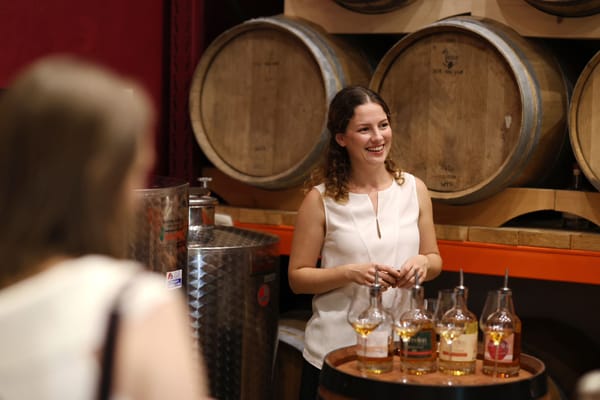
point(110, 345)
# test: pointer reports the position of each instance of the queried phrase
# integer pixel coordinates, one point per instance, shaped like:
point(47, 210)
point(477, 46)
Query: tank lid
point(200, 196)
point(200, 201)
point(229, 237)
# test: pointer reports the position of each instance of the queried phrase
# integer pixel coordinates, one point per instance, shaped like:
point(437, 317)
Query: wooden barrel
point(567, 8)
point(475, 107)
point(260, 94)
point(341, 380)
point(584, 120)
point(373, 6)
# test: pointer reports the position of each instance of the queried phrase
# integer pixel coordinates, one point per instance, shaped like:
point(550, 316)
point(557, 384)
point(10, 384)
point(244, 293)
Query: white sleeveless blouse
point(54, 325)
point(351, 238)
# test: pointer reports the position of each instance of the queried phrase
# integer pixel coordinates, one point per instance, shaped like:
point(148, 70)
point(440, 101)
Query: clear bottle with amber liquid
point(458, 336)
point(419, 355)
point(502, 337)
point(375, 341)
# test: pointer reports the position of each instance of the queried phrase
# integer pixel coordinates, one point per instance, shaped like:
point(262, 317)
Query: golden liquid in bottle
point(375, 354)
point(507, 366)
point(419, 357)
point(406, 333)
point(379, 364)
point(459, 358)
point(450, 334)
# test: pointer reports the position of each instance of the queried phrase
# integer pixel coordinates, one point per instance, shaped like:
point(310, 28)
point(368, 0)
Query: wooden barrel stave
point(584, 120)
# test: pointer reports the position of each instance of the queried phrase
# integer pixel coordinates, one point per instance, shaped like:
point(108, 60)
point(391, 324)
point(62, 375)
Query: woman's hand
point(364, 274)
point(418, 264)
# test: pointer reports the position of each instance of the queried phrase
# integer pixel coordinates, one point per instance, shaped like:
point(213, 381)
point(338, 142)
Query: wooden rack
point(524, 18)
point(530, 253)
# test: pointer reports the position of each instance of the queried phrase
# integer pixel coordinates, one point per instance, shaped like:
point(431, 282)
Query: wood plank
point(495, 210)
point(508, 236)
point(583, 204)
point(585, 241)
point(337, 19)
point(545, 238)
point(529, 21)
point(239, 194)
point(452, 232)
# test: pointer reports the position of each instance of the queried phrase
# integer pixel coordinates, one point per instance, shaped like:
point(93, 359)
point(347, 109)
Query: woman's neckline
point(366, 192)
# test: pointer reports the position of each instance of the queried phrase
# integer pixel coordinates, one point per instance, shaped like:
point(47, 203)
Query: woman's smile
point(368, 135)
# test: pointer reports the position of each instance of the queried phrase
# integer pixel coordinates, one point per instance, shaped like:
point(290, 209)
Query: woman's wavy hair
point(70, 132)
point(334, 171)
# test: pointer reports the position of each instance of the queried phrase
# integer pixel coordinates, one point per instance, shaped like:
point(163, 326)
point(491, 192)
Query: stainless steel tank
point(159, 232)
point(233, 293)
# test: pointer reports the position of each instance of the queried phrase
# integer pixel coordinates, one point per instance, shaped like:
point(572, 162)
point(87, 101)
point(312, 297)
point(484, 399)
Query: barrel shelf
point(529, 21)
point(518, 14)
point(531, 252)
point(497, 210)
point(278, 206)
point(336, 19)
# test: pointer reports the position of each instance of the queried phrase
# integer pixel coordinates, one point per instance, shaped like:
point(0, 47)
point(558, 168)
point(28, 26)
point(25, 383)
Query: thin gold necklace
point(377, 215)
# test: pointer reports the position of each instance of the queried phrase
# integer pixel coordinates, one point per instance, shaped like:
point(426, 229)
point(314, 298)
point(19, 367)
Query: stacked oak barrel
point(481, 100)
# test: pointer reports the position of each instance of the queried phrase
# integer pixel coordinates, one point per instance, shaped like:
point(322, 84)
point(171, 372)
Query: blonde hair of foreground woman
point(75, 140)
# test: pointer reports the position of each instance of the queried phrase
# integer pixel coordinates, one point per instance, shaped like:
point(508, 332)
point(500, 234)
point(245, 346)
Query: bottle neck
point(460, 293)
point(505, 301)
point(375, 296)
point(417, 298)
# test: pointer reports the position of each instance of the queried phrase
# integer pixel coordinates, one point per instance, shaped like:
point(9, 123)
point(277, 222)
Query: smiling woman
point(362, 217)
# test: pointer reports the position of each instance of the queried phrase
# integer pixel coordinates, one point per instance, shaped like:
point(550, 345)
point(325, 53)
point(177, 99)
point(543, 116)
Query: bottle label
point(377, 344)
point(420, 346)
point(504, 352)
point(464, 348)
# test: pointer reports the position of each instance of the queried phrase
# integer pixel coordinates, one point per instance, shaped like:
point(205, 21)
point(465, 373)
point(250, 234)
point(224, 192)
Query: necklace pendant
point(378, 230)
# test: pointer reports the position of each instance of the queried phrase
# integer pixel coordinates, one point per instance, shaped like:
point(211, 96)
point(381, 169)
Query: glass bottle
point(569, 220)
point(502, 354)
point(458, 355)
point(375, 348)
point(419, 356)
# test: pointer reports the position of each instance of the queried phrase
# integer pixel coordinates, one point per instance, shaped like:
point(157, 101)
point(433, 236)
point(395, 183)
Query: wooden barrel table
point(341, 380)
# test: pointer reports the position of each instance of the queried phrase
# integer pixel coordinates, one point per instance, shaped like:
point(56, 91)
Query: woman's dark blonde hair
point(335, 170)
point(69, 136)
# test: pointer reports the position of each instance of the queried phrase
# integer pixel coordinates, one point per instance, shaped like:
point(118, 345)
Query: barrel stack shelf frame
point(523, 17)
point(273, 208)
point(529, 21)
